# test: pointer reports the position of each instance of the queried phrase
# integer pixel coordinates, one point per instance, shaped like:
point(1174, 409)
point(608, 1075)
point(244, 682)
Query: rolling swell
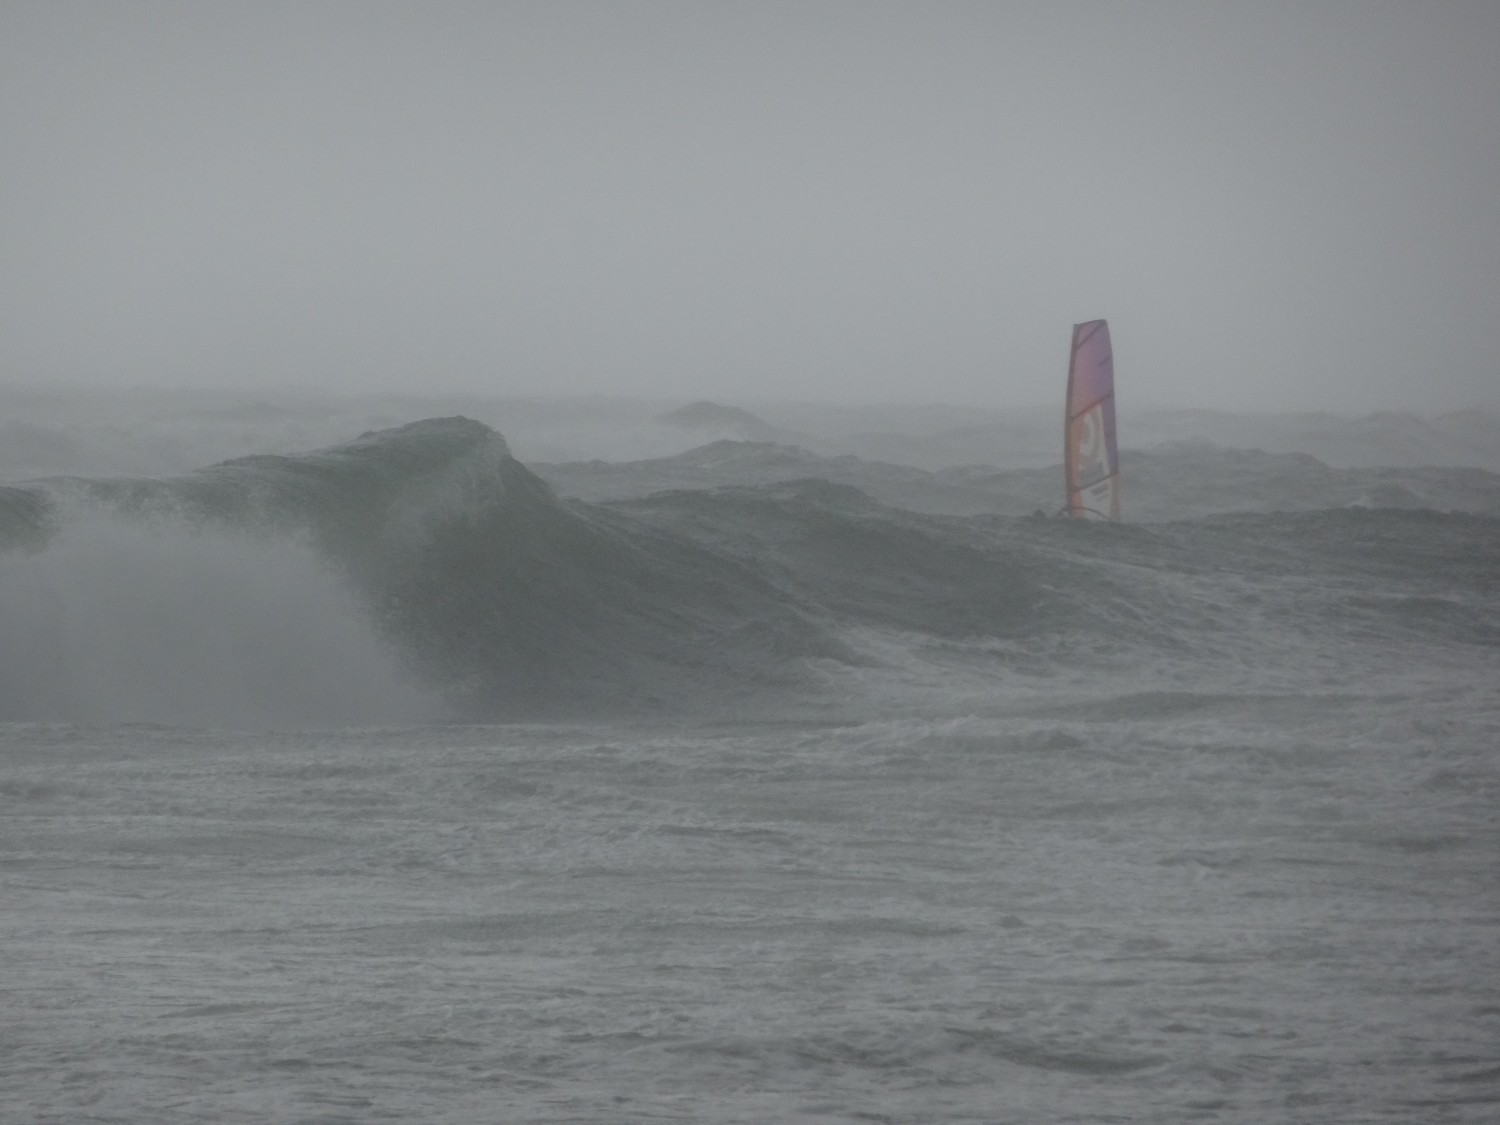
point(870, 564)
point(1262, 596)
point(514, 603)
point(508, 600)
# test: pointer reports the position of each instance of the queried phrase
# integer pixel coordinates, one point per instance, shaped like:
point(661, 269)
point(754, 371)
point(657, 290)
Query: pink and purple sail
point(1091, 460)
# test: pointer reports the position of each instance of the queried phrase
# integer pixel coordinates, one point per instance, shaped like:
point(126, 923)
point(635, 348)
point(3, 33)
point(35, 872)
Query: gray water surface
point(1135, 906)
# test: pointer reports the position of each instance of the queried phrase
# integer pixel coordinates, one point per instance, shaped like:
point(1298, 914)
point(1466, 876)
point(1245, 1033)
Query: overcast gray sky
point(1277, 205)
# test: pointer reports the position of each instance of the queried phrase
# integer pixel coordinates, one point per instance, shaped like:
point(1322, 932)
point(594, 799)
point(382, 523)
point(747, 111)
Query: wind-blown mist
point(163, 622)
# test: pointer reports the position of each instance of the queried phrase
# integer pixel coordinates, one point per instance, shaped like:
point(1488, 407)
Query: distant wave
point(25, 517)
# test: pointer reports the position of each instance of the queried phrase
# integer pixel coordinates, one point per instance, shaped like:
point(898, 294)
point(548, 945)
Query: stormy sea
point(435, 777)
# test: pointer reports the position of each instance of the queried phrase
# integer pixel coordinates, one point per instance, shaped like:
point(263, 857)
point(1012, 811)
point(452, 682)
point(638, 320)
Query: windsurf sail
point(1091, 461)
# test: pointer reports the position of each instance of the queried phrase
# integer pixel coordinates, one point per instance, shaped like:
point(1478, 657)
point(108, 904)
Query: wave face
point(424, 563)
point(498, 597)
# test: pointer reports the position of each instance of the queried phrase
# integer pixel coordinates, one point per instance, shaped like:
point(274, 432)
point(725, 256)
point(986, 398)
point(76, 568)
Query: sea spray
point(123, 620)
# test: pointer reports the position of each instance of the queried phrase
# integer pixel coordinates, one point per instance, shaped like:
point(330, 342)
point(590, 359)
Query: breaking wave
point(424, 566)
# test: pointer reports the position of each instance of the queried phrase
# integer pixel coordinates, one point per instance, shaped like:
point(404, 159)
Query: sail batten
point(1091, 459)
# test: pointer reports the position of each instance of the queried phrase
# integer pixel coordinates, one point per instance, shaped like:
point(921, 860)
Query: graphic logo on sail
point(1092, 464)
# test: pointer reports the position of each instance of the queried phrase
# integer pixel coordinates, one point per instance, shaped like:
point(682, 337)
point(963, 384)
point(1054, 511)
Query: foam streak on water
point(1165, 907)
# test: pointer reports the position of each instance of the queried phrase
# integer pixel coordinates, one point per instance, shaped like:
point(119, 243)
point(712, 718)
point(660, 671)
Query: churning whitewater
point(392, 782)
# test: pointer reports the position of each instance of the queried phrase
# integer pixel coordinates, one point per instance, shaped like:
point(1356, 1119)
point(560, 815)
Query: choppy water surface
point(1035, 820)
point(1132, 907)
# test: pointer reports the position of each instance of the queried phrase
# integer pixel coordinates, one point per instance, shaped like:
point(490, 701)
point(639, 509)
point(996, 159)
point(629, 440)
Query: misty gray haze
point(529, 589)
point(1278, 206)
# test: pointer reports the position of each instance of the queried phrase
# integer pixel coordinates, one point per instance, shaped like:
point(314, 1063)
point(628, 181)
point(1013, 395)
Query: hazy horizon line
point(79, 388)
